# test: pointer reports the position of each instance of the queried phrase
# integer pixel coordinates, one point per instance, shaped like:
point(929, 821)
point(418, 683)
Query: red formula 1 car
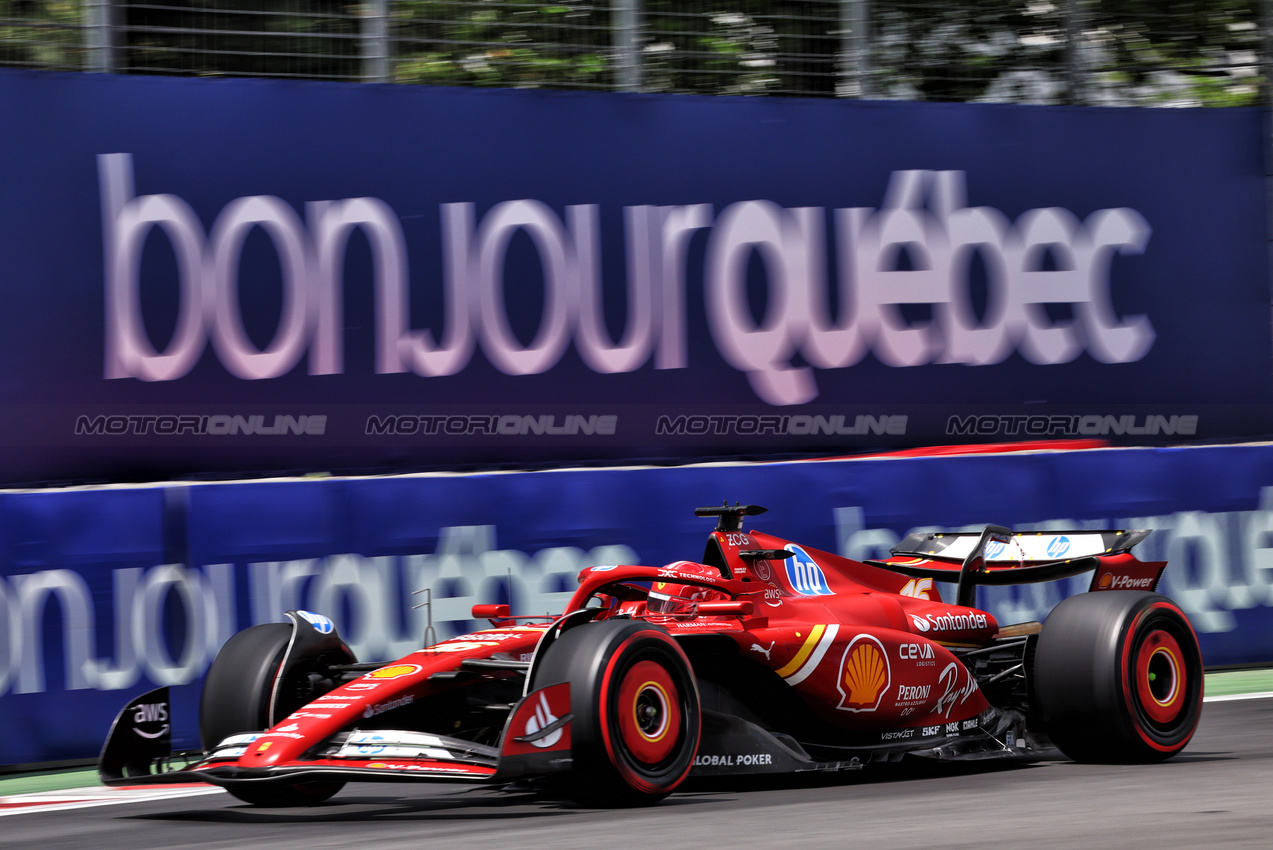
point(766, 658)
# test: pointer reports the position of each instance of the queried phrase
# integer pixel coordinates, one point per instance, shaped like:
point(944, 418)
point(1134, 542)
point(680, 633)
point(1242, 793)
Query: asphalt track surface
point(1219, 792)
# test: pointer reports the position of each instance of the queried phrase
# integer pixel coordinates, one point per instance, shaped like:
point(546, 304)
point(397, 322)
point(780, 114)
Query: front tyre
point(1118, 677)
point(236, 698)
point(240, 682)
point(636, 711)
point(286, 796)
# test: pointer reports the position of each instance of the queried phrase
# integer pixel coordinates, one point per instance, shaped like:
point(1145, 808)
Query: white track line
point(83, 798)
point(1232, 697)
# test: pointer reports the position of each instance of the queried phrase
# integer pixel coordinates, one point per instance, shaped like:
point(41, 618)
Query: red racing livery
point(764, 657)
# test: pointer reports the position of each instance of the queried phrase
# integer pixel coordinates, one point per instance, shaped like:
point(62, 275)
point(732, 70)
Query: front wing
point(536, 742)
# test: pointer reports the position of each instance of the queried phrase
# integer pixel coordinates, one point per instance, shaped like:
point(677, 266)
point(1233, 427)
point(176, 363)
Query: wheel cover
point(1161, 677)
point(649, 714)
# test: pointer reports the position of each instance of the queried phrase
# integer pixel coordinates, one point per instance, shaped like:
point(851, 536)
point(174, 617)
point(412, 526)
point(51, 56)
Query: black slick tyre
point(286, 796)
point(236, 699)
point(237, 689)
point(1118, 677)
point(635, 707)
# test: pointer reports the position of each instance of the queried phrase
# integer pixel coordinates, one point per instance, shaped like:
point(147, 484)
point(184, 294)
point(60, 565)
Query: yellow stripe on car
point(810, 654)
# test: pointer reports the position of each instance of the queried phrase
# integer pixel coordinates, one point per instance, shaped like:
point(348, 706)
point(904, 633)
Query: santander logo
point(543, 717)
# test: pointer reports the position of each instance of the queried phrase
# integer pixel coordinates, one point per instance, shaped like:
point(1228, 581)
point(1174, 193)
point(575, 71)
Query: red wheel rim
point(1160, 677)
point(649, 712)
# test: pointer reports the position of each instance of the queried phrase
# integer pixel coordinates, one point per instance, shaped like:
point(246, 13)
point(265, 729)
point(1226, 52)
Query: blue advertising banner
point(106, 593)
point(242, 276)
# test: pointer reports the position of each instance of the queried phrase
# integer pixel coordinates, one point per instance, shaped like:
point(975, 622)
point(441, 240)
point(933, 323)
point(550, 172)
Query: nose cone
point(265, 753)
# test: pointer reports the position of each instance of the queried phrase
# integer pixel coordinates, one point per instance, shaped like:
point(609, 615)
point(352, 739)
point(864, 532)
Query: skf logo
point(864, 674)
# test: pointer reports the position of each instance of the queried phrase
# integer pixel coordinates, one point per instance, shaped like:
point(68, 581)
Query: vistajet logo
point(220, 425)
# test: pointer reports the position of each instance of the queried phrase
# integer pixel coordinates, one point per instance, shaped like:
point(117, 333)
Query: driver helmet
point(670, 599)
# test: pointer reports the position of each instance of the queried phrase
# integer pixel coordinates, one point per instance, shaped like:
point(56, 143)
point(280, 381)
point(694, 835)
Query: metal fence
point(1104, 52)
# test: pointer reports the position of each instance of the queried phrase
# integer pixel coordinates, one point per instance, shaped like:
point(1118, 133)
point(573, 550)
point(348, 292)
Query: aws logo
point(804, 574)
point(151, 713)
point(864, 675)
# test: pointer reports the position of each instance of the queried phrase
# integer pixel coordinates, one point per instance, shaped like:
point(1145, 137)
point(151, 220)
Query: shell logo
point(1105, 580)
point(864, 674)
point(395, 671)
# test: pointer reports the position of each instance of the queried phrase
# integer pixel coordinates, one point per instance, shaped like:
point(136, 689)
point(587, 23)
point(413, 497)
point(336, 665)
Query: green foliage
point(42, 34)
point(311, 39)
point(1182, 52)
point(520, 43)
point(1151, 52)
point(978, 49)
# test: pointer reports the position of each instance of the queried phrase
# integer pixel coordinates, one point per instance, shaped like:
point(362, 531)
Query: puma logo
point(755, 647)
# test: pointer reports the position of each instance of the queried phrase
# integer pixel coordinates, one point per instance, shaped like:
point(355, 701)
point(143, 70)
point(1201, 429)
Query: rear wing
point(1000, 556)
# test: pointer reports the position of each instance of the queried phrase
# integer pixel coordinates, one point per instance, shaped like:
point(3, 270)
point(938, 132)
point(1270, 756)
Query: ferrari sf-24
point(765, 657)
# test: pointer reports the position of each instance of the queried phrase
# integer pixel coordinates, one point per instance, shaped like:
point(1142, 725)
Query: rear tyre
point(636, 720)
point(1118, 677)
point(236, 699)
